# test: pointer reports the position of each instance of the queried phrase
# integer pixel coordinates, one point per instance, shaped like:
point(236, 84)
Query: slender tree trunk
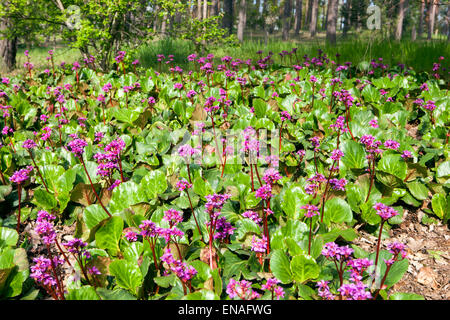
point(308, 12)
point(163, 26)
point(215, 7)
point(298, 17)
point(199, 9)
point(8, 47)
point(448, 22)
point(431, 16)
point(242, 16)
point(347, 14)
point(332, 15)
point(400, 17)
point(205, 9)
point(286, 17)
point(313, 24)
point(421, 19)
point(413, 33)
point(228, 17)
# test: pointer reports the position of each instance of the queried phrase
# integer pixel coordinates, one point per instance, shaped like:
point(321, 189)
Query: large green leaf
point(337, 210)
point(393, 164)
point(93, 214)
point(280, 266)
point(128, 275)
point(83, 293)
point(153, 183)
point(303, 268)
point(8, 237)
point(418, 190)
point(443, 170)
point(405, 296)
point(45, 199)
point(108, 235)
point(440, 206)
point(125, 195)
point(354, 155)
point(293, 199)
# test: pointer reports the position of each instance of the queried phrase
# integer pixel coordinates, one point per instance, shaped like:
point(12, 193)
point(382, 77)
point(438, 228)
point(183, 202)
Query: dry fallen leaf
point(427, 277)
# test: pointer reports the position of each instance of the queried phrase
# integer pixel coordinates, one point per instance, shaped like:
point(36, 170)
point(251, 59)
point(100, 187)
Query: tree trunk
point(313, 23)
point(8, 48)
point(199, 9)
point(242, 16)
point(332, 15)
point(448, 22)
point(298, 17)
point(205, 9)
point(215, 8)
point(308, 12)
point(286, 18)
point(422, 16)
point(431, 16)
point(227, 21)
point(347, 14)
point(400, 17)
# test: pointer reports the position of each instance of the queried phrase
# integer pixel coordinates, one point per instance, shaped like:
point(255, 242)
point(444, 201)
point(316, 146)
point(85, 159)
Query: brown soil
point(428, 273)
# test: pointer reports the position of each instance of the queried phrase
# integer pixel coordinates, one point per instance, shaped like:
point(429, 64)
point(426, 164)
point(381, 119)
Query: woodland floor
point(429, 269)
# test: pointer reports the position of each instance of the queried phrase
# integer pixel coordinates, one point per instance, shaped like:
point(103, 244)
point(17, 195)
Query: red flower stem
point(384, 278)
point(12, 144)
point(62, 252)
point(120, 169)
point(372, 176)
point(279, 143)
point(378, 245)
point(196, 222)
point(37, 169)
point(58, 283)
point(103, 108)
point(215, 136)
point(93, 189)
point(326, 191)
point(251, 175)
point(267, 227)
point(210, 243)
point(315, 162)
point(189, 172)
point(309, 242)
point(257, 174)
point(82, 268)
point(152, 246)
point(19, 191)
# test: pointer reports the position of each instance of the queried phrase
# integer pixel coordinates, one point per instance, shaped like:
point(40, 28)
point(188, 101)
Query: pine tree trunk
point(205, 9)
point(313, 23)
point(215, 7)
point(431, 16)
point(286, 19)
point(242, 19)
point(332, 15)
point(199, 9)
point(308, 12)
point(228, 17)
point(298, 17)
point(347, 21)
point(400, 17)
point(8, 48)
point(448, 22)
point(422, 16)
